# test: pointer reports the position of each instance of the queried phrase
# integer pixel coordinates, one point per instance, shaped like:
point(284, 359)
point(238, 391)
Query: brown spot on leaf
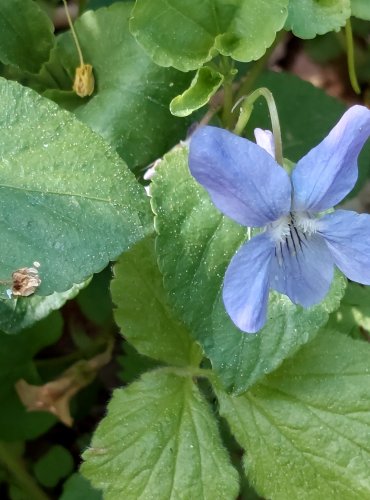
point(25, 280)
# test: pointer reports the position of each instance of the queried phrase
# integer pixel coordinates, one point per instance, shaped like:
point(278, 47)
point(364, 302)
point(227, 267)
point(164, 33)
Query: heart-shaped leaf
point(67, 200)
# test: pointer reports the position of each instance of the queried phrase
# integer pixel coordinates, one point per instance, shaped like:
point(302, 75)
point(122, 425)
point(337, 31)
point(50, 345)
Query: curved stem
point(246, 112)
point(351, 58)
point(17, 469)
point(74, 34)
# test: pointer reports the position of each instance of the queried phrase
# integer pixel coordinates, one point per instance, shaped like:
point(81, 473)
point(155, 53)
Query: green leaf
point(79, 488)
point(306, 427)
point(16, 353)
point(308, 18)
point(204, 85)
point(133, 364)
point(195, 245)
point(53, 466)
point(163, 421)
point(361, 9)
point(353, 316)
point(142, 312)
point(306, 113)
point(23, 312)
point(325, 48)
point(67, 200)
point(95, 300)
point(186, 35)
point(129, 107)
point(252, 29)
point(26, 34)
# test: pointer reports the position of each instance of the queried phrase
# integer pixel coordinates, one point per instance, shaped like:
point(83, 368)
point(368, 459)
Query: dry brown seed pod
point(84, 80)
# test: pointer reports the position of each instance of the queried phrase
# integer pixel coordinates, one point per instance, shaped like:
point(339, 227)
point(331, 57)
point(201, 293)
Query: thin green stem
point(246, 112)
point(74, 34)
point(226, 68)
point(17, 469)
point(228, 104)
point(351, 58)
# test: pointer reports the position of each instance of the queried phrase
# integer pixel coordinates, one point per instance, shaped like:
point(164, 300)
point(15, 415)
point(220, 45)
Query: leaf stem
point(246, 111)
point(228, 104)
point(351, 57)
point(227, 70)
point(74, 34)
point(17, 469)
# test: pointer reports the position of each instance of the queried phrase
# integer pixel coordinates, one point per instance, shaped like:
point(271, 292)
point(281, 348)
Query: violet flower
point(297, 250)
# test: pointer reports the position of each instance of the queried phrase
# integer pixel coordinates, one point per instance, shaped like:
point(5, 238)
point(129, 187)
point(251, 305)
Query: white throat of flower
point(292, 230)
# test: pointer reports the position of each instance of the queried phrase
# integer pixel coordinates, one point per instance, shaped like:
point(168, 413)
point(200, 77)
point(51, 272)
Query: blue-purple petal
point(347, 235)
point(304, 272)
point(246, 284)
point(243, 180)
point(329, 171)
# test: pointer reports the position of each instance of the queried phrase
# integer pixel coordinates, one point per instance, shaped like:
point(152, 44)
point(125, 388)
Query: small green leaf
point(53, 466)
point(306, 427)
point(95, 300)
point(23, 312)
point(204, 85)
point(353, 315)
point(163, 421)
point(361, 9)
point(67, 200)
point(142, 311)
point(78, 488)
point(129, 107)
point(185, 35)
point(133, 364)
point(195, 245)
point(252, 29)
point(26, 34)
point(308, 18)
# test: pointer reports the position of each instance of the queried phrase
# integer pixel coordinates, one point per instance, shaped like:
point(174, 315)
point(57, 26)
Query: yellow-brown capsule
point(84, 80)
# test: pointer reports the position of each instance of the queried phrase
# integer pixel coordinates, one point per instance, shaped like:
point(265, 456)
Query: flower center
point(292, 230)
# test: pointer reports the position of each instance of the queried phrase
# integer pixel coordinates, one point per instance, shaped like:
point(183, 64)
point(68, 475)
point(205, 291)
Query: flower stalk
point(84, 82)
point(351, 58)
point(246, 111)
